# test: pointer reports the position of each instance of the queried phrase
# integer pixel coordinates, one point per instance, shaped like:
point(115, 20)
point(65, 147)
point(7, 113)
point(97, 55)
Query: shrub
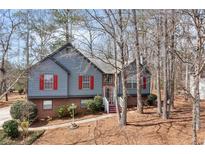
point(20, 91)
point(91, 106)
point(62, 111)
point(99, 102)
point(94, 105)
point(71, 108)
point(10, 127)
point(24, 111)
point(151, 99)
point(24, 126)
point(15, 110)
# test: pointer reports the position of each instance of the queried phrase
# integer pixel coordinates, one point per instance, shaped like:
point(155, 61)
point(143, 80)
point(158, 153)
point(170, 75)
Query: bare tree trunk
point(186, 82)
point(5, 87)
point(172, 68)
point(3, 76)
point(159, 104)
point(138, 67)
point(27, 51)
point(67, 32)
point(116, 83)
point(116, 97)
point(124, 104)
point(164, 115)
point(124, 89)
point(196, 103)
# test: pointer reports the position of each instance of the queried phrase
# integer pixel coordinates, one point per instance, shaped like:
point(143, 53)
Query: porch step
point(112, 109)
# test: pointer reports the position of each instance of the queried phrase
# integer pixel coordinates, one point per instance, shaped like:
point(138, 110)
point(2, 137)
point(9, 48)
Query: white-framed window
point(82, 102)
point(131, 83)
point(48, 81)
point(86, 81)
point(47, 104)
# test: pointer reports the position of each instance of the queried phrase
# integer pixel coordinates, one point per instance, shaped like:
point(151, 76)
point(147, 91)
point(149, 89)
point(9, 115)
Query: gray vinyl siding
point(47, 66)
point(78, 65)
point(132, 91)
point(131, 71)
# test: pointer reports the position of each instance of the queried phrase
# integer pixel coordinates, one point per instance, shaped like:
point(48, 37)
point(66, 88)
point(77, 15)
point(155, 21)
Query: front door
point(108, 93)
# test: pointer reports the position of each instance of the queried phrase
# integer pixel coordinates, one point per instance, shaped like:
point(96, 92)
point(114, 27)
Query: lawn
point(33, 135)
point(147, 128)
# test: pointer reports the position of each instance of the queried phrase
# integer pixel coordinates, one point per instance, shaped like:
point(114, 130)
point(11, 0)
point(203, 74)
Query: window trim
point(132, 81)
point(45, 82)
point(51, 105)
point(86, 82)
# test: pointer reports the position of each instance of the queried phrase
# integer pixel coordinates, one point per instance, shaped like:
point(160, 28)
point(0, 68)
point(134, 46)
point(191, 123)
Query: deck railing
point(106, 104)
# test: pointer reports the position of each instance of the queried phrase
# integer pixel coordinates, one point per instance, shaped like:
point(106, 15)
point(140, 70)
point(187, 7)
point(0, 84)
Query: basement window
point(83, 102)
point(47, 104)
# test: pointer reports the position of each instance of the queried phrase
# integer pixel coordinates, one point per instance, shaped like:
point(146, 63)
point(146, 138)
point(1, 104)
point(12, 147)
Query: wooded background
point(169, 42)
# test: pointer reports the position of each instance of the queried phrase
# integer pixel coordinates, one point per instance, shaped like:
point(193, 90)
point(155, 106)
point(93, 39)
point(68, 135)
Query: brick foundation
point(42, 113)
point(132, 100)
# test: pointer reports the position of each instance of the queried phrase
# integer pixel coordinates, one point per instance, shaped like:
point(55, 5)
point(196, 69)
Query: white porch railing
point(106, 104)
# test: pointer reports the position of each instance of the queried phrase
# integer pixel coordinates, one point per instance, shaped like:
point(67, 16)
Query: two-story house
point(68, 76)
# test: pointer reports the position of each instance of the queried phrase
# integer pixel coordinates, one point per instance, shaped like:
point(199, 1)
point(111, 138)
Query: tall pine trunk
point(165, 90)
point(159, 104)
point(138, 67)
point(171, 67)
point(186, 82)
point(196, 103)
point(27, 51)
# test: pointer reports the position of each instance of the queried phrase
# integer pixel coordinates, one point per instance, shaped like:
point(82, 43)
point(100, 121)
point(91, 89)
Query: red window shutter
point(55, 83)
point(80, 80)
point(144, 82)
point(91, 82)
point(41, 82)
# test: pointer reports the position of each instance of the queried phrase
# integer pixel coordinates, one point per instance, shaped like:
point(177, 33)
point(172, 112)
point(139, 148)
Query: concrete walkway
point(69, 123)
point(4, 115)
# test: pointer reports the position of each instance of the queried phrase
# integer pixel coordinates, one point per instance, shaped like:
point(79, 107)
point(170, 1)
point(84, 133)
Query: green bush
point(94, 105)
point(71, 108)
point(66, 111)
point(15, 110)
point(10, 127)
point(151, 99)
point(62, 111)
point(99, 102)
point(91, 106)
point(24, 111)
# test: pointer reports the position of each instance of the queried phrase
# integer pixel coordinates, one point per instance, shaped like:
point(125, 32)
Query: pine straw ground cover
point(147, 128)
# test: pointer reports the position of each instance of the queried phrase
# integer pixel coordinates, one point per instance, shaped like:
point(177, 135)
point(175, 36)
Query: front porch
point(110, 107)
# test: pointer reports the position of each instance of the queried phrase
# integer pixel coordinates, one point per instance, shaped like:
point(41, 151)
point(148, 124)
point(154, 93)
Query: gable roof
point(97, 63)
point(142, 66)
point(50, 56)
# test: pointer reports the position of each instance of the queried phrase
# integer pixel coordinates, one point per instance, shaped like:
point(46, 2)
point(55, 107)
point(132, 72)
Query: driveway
point(4, 115)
